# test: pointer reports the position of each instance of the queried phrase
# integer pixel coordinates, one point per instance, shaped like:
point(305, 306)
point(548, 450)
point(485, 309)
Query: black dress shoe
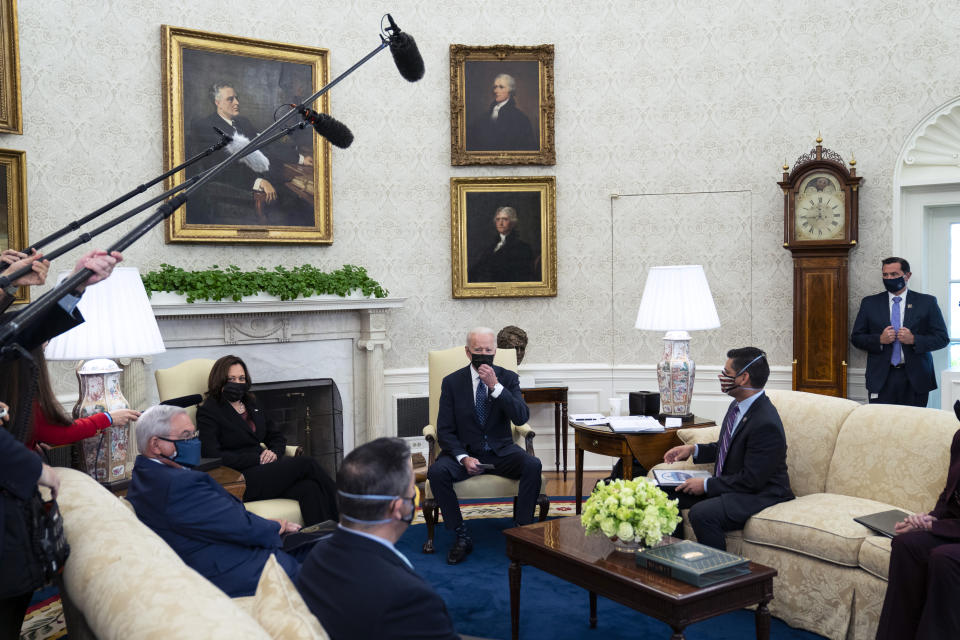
point(460, 549)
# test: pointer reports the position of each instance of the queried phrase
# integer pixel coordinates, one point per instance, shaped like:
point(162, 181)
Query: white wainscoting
point(589, 388)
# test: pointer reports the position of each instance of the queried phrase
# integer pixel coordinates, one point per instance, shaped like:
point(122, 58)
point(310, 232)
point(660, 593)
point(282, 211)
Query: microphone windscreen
point(333, 130)
point(406, 56)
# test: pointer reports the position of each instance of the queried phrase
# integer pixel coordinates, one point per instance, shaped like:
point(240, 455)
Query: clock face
point(820, 213)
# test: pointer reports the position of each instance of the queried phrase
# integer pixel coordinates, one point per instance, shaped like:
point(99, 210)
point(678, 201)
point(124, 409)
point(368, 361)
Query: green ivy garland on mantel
point(232, 283)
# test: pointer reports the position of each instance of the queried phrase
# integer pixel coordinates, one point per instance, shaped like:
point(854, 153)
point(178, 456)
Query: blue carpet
point(477, 593)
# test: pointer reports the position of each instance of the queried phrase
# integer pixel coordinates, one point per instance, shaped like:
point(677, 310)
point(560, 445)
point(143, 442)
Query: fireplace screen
point(309, 413)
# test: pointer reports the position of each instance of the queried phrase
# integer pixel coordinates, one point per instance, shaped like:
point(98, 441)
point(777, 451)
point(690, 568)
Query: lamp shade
point(677, 298)
point(119, 321)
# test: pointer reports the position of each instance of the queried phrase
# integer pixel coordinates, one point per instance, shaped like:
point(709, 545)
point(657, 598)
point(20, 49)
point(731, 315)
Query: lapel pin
point(909, 306)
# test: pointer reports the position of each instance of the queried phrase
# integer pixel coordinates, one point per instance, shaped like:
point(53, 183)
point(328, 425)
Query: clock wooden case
point(820, 210)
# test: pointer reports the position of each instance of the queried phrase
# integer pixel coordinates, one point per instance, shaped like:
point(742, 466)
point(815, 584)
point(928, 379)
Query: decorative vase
point(626, 546)
point(103, 456)
point(675, 374)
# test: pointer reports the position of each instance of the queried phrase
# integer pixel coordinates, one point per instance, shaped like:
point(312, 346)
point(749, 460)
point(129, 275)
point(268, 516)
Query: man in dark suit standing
point(208, 528)
point(751, 455)
point(477, 405)
point(898, 329)
point(356, 581)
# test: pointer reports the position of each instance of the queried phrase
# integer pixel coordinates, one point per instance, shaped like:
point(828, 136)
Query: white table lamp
point(118, 323)
point(676, 299)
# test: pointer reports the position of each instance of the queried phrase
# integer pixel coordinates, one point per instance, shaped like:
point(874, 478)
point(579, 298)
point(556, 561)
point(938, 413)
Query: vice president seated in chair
point(477, 405)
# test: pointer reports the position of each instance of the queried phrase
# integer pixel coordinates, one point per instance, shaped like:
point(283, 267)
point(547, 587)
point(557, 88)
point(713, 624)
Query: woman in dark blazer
point(923, 585)
point(232, 428)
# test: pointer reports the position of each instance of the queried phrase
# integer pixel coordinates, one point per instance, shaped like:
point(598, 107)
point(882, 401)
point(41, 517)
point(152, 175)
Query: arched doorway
point(926, 226)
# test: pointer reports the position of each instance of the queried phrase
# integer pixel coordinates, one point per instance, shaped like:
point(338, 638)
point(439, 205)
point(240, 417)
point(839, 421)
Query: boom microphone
point(405, 53)
point(329, 127)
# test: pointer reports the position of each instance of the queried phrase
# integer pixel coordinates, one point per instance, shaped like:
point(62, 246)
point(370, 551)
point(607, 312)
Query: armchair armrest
point(430, 433)
point(526, 433)
point(293, 450)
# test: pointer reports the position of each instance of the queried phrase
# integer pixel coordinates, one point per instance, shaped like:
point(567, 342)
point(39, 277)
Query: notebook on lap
point(883, 522)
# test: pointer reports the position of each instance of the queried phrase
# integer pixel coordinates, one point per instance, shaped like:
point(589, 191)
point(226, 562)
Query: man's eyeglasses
point(193, 435)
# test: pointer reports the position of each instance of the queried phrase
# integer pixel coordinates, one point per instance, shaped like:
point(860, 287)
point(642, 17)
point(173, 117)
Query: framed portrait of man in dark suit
point(13, 201)
point(501, 105)
point(503, 237)
point(238, 86)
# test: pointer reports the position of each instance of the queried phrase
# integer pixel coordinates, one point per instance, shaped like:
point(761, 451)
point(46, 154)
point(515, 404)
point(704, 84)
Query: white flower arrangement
point(631, 510)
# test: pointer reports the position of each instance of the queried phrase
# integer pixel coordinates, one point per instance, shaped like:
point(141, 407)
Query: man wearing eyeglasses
point(209, 529)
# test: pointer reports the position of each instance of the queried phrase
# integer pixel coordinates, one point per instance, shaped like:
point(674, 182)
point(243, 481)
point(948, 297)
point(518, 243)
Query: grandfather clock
point(820, 205)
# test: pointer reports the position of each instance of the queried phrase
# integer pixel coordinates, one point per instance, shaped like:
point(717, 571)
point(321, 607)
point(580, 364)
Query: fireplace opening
point(309, 413)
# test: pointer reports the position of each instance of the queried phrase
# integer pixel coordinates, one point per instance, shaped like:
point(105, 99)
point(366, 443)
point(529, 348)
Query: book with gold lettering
point(693, 563)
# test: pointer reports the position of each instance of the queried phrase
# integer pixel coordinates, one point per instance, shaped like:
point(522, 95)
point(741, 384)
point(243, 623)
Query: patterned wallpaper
point(693, 107)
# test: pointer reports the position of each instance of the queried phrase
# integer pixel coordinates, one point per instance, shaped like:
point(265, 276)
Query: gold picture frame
point(501, 105)
point(496, 253)
point(13, 200)
point(11, 115)
point(286, 200)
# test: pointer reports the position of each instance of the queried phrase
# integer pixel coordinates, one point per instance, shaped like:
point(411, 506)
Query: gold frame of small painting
point(13, 199)
point(503, 234)
point(501, 105)
point(11, 115)
point(281, 194)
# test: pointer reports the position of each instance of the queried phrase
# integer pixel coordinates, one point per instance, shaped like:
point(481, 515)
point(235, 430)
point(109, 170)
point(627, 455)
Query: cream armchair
point(190, 377)
point(441, 364)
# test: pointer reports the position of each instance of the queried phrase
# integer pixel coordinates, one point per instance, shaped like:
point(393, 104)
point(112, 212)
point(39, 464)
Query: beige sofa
point(122, 581)
point(845, 460)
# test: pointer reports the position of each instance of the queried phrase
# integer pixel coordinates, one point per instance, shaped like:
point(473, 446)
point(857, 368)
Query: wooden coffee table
point(561, 548)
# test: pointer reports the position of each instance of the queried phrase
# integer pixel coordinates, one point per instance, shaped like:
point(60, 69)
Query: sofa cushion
point(276, 508)
point(278, 607)
point(819, 525)
point(811, 423)
point(875, 555)
point(703, 435)
point(894, 455)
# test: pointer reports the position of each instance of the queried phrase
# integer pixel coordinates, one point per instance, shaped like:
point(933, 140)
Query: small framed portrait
point(13, 199)
point(10, 110)
point(501, 105)
point(239, 86)
point(503, 237)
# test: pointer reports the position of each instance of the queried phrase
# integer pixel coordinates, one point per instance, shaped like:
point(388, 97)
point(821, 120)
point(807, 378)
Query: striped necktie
point(726, 434)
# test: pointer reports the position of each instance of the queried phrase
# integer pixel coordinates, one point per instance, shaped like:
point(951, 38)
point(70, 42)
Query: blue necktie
point(897, 357)
point(483, 403)
point(726, 435)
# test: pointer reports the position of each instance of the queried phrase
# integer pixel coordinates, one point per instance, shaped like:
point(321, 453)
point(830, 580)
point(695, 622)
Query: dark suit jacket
point(457, 428)
point(207, 527)
point(224, 434)
point(947, 511)
point(922, 316)
point(18, 480)
point(358, 588)
point(512, 263)
point(511, 131)
point(228, 197)
point(755, 470)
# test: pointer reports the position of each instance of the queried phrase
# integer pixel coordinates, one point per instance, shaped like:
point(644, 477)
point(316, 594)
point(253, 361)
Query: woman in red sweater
point(49, 424)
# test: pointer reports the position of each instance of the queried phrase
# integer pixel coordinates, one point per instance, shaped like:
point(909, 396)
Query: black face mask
point(894, 284)
point(233, 391)
point(477, 359)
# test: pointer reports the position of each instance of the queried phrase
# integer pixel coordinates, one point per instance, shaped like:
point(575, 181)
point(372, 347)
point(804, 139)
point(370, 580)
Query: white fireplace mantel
point(323, 336)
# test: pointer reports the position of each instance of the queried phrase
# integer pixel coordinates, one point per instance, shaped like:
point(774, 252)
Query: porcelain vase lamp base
point(675, 373)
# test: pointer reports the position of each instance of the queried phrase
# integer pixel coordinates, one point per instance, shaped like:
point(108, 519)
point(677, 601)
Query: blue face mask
point(188, 451)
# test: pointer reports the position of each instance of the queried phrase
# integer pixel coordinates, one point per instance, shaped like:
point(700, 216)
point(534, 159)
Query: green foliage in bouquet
point(232, 283)
point(631, 510)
